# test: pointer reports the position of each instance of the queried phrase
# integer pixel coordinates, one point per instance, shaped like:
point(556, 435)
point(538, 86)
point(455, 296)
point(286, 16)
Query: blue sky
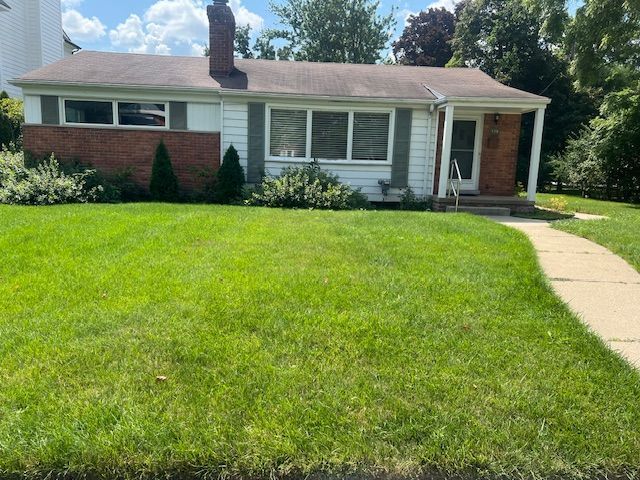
point(176, 27)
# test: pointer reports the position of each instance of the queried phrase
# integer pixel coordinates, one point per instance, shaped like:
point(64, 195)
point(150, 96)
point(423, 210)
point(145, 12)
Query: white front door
point(466, 144)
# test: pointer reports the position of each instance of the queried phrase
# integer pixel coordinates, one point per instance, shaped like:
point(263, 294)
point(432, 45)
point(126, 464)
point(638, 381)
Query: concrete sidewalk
point(599, 286)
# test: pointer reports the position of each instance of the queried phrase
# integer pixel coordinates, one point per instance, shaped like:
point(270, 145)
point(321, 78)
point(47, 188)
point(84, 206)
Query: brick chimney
point(222, 32)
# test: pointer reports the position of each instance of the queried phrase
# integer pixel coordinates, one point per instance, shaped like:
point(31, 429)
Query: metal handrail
point(452, 187)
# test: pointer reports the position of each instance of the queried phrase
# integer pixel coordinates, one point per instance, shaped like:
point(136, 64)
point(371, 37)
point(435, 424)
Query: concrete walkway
point(599, 286)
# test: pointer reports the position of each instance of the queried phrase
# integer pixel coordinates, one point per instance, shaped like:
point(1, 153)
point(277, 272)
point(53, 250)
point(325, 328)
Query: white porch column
point(534, 165)
point(445, 160)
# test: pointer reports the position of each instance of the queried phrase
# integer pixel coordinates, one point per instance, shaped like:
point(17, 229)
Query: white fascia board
point(524, 105)
point(142, 92)
point(294, 98)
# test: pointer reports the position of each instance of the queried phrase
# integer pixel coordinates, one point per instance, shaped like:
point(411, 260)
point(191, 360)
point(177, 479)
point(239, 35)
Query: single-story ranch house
point(380, 128)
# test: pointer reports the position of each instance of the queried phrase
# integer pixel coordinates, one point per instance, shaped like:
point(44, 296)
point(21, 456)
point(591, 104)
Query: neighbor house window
point(90, 112)
point(142, 114)
point(356, 135)
point(288, 133)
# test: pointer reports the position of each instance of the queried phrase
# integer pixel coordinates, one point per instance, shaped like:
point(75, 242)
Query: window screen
point(142, 114)
point(81, 111)
point(329, 135)
point(288, 133)
point(371, 136)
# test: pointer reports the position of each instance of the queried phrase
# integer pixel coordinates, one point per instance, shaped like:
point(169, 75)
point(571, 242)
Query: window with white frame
point(89, 112)
point(116, 113)
point(358, 135)
point(288, 137)
point(142, 114)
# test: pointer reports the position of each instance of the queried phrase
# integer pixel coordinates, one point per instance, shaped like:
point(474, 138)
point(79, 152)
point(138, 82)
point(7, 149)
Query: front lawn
point(620, 233)
point(294, 342)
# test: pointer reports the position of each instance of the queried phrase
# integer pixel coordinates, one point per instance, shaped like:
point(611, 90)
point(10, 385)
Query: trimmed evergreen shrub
point(229, 179)
point(307, 187)
point(164, 183)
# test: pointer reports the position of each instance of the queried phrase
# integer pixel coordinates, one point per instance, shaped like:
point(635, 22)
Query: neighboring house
point(31, 36)
point(372, 125)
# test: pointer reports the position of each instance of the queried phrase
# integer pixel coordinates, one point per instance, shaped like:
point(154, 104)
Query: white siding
point(51, 30)
point(203, 117)
point(32, 109)
point(418, 154)
point(30, 37)
point(364, 177)
point(235, 129)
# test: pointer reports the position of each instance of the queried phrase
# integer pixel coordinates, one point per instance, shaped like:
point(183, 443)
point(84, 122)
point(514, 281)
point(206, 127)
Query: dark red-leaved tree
point(426, 40)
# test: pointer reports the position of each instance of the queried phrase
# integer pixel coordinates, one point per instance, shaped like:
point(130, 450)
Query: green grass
point(620, 232)
point(294, 342)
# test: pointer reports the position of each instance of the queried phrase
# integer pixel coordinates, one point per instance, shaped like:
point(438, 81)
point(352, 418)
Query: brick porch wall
point(499, 157)
point(112, 151)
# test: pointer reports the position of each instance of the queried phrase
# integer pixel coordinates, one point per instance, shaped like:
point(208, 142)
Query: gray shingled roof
point(269, 77)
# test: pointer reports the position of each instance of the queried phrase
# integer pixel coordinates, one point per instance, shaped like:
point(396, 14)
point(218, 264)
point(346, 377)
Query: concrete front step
point(490, 211)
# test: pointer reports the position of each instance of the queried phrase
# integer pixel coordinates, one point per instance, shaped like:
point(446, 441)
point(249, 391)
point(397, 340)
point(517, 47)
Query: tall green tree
point(506, 39)
point(604, 40)
point(341, 31)
point(426, 40)
point(242, 42)
point(263, 47)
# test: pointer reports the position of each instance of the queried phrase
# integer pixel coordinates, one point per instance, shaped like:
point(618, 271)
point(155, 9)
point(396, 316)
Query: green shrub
point(164, 183)
point(229, 179)
point(45, 184)
point(307, 187)
point(410, 201)
point(11, 119)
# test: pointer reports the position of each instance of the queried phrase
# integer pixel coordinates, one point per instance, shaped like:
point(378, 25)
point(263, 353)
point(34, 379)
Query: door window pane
point(330, 131)
point(464, 135)
point(142, 114)
point(463, 146)
point(80, 111)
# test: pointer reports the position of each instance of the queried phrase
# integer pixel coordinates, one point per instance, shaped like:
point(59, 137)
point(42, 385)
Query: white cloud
point(170, 25)
point(81, 28)
point(450, 5)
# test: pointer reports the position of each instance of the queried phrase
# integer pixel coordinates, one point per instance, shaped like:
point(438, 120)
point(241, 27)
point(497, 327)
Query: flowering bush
point(307, 187)
point(44, 184)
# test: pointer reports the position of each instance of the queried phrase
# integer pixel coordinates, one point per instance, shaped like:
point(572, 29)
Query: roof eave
point(167, 88)
point(332, 98)
point(488, 101)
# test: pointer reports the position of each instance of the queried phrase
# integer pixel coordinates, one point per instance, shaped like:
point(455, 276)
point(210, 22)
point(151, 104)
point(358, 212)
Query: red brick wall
point(112, 151)
point(499, 156)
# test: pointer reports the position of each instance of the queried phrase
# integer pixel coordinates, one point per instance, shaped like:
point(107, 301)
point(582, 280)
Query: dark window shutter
point(255, 159)
point(401, 148)
point(178, 116)
point(50, 110)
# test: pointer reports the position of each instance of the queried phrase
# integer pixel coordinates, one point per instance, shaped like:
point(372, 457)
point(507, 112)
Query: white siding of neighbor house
point(51, 31)
point(32, 109)
point(203, 117)
point(364, 177)
point(30, 37)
